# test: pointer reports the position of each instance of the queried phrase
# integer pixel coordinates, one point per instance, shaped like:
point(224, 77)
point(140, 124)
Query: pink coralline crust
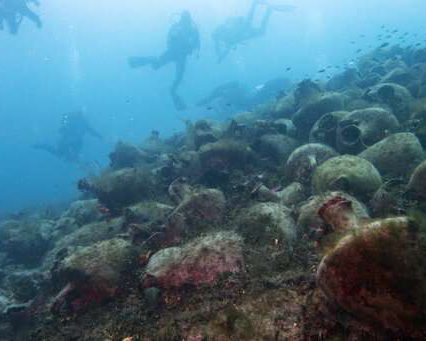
point(76, 297)
point(333, 203)
point(201, 261)
point(338, 213)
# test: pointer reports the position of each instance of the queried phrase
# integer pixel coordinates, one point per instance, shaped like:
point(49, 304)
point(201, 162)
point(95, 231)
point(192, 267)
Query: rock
point(93, 274)
point(126, 155)
point(387, 201)
point(120, 188)
point(347, 173)
point(144, 212)
point(324, 130)
point(285, 126)
point(309, 219)
point(201, 133)
point(396, 155)
point(265, 222)
point(82, 237)
point(292, 195)
point(378, 275)
point(201, 261)
point(305, 118)
point(201, 210)
point(399, 75)
point(397, 97)
point(4, 302)
point(363, 128)
point(64, 226)
point(346, 79)
point(276, 146)
point(264, 194)
point(285, 106)
point(289, 196)
point(152, 296)
point(417, 183)
point(304, 160)
point(224, 155)
point(369, 80)
point(24, 285)
point(84, 212)
point(23, 242)
point(306, 91)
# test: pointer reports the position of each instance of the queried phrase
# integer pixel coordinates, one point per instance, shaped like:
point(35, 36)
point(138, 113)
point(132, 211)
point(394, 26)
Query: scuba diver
point(71, 137)
point(234, 96)
point(182, 40)
point(14, 11)
point(237, 30)
point(226, 98)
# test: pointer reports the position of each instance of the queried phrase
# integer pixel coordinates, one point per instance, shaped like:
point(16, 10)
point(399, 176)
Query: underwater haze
point(212, 170)
point(77, 61)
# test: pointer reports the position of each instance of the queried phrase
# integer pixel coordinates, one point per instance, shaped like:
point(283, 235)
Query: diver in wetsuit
point(14, 11)
point(233, 96)
point(182, 40)
point(227, 97)
point(237, 30)
point(71, 137)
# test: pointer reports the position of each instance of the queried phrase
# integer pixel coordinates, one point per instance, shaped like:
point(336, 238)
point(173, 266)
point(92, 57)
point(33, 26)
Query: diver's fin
point(282, 8)
point(178, 102)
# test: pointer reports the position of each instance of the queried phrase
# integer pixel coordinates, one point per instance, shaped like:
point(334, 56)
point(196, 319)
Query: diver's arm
point(197, 41)
point(223, 54)
point(93, 132)
point(35, 2)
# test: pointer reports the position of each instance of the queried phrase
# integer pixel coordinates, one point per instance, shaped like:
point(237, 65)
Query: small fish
point(288, 69)
point(384, 45)
point(352, 42)
point(209, 108)
point(359, 50)
point(395, 31)
point(322, 71)
point(418, 44)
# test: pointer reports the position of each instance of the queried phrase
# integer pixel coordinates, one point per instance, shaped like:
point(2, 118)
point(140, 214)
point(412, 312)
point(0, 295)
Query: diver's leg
point(26, 12)
point(180, 72)
point(164, 59)
point(217, 47)
point(264, 24)
point(47, 148)
point(252, 11)
point(13, 24)
point(225, 51)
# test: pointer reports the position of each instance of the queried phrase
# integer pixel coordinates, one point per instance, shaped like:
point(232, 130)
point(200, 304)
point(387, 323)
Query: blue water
point(77, 61)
